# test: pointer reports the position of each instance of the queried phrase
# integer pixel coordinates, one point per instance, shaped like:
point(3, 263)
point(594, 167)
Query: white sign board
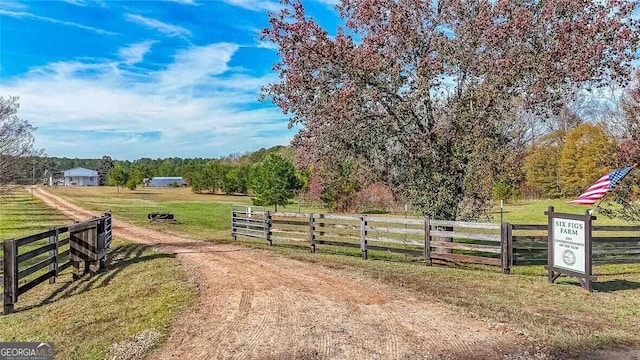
point(569, 245)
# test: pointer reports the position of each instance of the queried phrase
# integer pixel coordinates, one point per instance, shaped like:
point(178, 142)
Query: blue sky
point(136, 79)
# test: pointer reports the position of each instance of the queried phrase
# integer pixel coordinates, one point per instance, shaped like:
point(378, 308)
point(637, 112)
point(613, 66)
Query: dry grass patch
point(141, 195)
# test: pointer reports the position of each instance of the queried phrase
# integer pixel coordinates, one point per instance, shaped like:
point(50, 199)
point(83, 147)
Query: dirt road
point(255, 304)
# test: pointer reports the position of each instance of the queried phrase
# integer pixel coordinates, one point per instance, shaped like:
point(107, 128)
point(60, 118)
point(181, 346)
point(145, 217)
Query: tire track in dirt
point(246, 293)
point(449, 335)
point(308, 314)
point(259, 331)
point(391, 345)
point(298, 311)
point(244, 307)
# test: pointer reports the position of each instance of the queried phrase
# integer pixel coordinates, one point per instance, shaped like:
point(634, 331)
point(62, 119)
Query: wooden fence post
point(108, 235)
point(74, 254)
point(109, 228)
point(53, 239)
point(427, 241)
point(10, 268)
point(91, 236)
point(267, 227)
point(509, 247)
point(506, 247)
point(312, 233)
point(363, 236)
point(503, 247)
point(233, 225)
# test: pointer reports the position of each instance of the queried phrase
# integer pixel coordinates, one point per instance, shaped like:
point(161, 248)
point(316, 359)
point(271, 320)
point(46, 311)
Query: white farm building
point(164, 181)
point(81, 177)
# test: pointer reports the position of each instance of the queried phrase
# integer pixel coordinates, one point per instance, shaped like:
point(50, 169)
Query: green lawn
point(193, 212)
point(141, 291)
point(532, 212)
point(559, 317)
point(21, 215)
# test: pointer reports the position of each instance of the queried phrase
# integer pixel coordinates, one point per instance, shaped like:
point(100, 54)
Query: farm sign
point(569, 246)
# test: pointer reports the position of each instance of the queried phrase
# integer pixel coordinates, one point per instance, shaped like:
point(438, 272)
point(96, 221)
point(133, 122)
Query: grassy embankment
point(141, 291)
point(561, 317)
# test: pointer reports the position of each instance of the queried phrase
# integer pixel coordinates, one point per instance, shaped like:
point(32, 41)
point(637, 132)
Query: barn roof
point(167, 178)
point(79, 171)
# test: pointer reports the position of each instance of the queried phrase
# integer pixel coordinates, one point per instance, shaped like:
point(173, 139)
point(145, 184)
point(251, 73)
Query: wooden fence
point(481, 243)
point(88, 242)
point(505, 245)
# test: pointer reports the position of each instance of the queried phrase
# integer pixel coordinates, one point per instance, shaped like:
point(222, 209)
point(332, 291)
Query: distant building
point(81, 177)
point(53, 177)
point(164, 181)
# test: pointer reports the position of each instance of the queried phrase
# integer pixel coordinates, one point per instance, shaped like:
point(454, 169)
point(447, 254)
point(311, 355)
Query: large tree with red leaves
point(622, 203)
point(425, 95)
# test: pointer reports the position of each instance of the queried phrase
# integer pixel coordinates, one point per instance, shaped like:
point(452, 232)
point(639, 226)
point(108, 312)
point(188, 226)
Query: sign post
point(569, 247)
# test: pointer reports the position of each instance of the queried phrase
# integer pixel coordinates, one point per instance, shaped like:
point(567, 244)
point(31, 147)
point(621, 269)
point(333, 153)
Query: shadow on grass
point(616, 285)
point(199, 247)
point(121, 257)
point(19, 198)
point(606, 286)
point(498, 212)
point(18, 212)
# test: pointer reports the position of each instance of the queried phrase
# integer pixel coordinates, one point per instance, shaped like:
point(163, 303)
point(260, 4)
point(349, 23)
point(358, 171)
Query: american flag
point(598, 190)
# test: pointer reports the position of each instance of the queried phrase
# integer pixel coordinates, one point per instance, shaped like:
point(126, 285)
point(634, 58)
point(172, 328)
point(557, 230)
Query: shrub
point(374, 211)
point(504, 191)
point(375, 197)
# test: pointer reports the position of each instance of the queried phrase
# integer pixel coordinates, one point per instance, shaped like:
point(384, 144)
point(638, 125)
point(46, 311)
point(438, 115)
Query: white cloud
point(199, 104)
point(167, 29)
point(135, 53)
point(76, 2)
point(197, 65)
point(13, 5)
point(26, 15)
point(263, 44)
point(256, 5)
point(84, 3)
point(185, 2)
point(329, 2)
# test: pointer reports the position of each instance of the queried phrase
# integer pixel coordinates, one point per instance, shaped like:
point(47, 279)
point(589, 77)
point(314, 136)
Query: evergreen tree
point(274, 181)
point(106, 164)
point(118, 176)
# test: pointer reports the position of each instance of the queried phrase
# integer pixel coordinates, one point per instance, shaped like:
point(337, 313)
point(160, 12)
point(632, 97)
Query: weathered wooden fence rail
point(87, 241)
point(481, 243)
point(504, 245)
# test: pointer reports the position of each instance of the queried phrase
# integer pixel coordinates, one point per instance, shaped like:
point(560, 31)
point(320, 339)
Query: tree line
point(273, 180)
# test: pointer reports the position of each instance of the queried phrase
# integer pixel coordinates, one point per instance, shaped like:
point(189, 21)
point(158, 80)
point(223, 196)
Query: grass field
point(561, 317)
point(195, 212)
point(141, 291)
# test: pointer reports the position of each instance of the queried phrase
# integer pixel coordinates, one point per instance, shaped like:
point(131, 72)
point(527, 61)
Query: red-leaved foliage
point(375, 196)
point(421, 94)
point(628, 153)
point(316, 188)
point(635, 93)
